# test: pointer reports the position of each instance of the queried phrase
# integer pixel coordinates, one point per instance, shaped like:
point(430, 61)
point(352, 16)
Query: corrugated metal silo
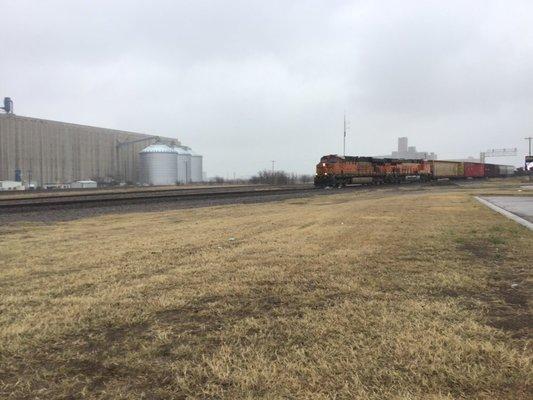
point(158, 165)
point(196, 167)
point(183, 164)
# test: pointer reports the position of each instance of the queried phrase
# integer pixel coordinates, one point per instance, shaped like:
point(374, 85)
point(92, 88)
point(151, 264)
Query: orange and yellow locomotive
point(337, 171)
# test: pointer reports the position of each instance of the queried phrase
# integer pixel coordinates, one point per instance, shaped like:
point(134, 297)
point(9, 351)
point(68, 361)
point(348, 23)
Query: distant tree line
point(268, 178)
point(279, 178)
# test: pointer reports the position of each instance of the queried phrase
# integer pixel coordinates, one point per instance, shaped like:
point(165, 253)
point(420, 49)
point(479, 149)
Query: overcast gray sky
point(247, 82)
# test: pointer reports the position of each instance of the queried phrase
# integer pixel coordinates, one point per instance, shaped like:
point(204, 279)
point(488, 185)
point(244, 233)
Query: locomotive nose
point(321, 168)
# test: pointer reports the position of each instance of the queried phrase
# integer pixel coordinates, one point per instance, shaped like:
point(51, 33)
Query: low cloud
point(247, 82)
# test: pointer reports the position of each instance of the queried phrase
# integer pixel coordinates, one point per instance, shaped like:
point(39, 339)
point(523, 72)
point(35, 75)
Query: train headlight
point(323, 164)
point(326, 173)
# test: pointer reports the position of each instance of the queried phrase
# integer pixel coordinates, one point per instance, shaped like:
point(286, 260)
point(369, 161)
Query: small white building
point(11, 185)
point(84, 185)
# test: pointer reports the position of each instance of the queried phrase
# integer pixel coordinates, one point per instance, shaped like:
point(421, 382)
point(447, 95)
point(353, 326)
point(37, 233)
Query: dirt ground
point(421, 294)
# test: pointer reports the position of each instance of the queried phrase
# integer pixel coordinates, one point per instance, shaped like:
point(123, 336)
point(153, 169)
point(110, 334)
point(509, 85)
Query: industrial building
point(51, 153)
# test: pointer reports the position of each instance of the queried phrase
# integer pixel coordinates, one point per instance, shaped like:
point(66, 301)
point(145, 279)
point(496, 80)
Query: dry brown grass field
point(360, 295)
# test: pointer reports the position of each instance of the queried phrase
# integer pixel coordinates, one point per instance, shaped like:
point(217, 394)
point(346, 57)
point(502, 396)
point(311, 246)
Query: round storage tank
point(183, 164)
point(196, 167)
point(158, 165)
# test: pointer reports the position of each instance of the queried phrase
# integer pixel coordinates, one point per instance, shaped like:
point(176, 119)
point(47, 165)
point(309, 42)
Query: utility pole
point(273, 162)
point(529, 139)
point(344, 138)
point(346, 127)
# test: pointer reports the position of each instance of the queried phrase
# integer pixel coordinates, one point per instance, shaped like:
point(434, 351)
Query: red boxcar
point(474, 170)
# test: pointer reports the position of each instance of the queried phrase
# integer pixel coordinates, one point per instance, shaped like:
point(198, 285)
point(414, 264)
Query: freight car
point(491, 171)
point(506, 170)
point(337, 171)
point(447, 169)
point(474, 170)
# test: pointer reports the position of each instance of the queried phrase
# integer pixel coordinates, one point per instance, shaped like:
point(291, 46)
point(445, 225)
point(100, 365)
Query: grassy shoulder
point(359, 295)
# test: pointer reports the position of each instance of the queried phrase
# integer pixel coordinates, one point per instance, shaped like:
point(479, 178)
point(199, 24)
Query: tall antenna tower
point(346, 127)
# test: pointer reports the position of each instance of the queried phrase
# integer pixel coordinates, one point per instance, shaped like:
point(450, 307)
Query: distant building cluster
point(409, 152)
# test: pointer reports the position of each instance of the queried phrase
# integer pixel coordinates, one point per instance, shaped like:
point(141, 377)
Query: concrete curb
point(506, 213)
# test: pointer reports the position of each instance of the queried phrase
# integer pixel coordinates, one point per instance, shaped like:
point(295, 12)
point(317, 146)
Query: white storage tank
point(183, 164)
point(196, 167)
point(158, 165)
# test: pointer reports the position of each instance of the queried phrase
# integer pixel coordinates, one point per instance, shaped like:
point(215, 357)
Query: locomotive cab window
point(328, 159)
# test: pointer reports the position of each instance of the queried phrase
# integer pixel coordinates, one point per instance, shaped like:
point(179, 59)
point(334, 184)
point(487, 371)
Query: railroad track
point(71, 193)
point(113, 199)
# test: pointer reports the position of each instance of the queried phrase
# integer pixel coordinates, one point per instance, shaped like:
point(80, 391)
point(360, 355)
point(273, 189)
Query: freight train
point(338, 171)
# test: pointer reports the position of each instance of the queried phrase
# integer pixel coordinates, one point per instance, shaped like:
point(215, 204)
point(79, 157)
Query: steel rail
point(112, 192)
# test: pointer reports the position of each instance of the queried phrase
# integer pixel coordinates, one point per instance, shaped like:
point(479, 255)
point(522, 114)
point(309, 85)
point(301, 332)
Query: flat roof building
point(402, 144)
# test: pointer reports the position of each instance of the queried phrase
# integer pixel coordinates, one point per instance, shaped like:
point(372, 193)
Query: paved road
point(518, 205)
